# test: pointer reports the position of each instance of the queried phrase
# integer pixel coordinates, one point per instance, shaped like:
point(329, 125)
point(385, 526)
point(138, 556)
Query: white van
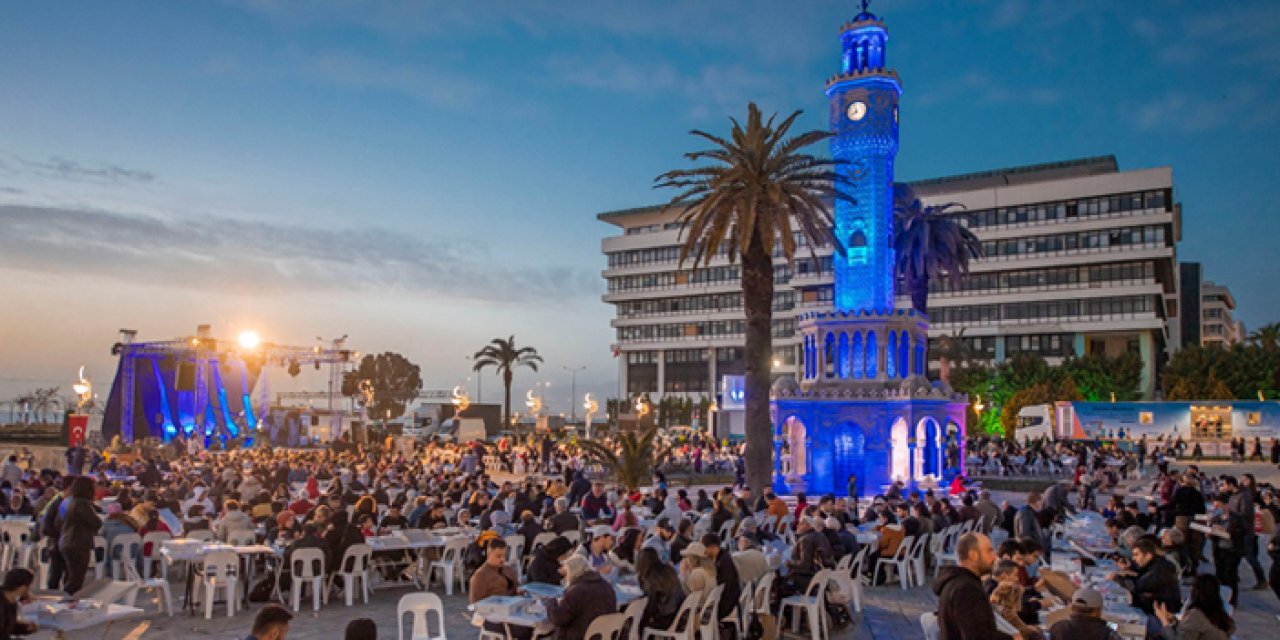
point(1035, 422)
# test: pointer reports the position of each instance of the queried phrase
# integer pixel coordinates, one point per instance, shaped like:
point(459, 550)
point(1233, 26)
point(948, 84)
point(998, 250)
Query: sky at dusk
point(425, 176)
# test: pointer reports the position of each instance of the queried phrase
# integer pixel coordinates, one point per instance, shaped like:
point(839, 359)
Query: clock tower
point(864, 118)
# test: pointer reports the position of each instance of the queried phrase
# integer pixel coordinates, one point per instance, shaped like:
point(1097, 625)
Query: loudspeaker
point(186, 378)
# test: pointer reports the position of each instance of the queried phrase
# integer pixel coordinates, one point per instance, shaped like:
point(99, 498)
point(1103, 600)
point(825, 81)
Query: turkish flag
point(78, 425)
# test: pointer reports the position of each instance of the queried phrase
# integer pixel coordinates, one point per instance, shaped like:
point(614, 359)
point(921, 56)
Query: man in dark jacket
point(1151, 579)
point(1086, 621)
point(726, 575)
point(964, 613)
point(811, 554)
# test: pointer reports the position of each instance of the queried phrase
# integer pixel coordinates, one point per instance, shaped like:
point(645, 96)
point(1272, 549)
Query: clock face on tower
point(856, 111)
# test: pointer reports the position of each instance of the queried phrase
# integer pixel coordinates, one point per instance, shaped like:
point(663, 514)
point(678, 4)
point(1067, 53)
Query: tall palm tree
point(929, 244)
point(756, 191)
point(1267, 336)
point(504, 357)
point(631, 460)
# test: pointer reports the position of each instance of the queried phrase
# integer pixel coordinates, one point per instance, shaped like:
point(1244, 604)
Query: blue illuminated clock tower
point(863, 406)
point(864, 118)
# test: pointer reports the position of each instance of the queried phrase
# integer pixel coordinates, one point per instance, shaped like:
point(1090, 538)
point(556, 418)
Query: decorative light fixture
point(978, 406)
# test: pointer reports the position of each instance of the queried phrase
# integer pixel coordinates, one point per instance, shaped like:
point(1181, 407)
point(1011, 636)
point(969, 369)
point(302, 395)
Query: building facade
point(1218, 325)
point(1079, 257)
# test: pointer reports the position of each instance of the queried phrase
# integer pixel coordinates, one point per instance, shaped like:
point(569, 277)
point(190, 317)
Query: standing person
point(1245, 501)
point(1027, 523)
point(271, 623)
point(963, 610)
point(78, 523)
point(1227, 550)
point(15, 591)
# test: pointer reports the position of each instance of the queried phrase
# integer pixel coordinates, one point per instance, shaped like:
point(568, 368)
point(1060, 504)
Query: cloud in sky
point(225, 254)
point(430, 86)
point(979, 88)
point(60, 168)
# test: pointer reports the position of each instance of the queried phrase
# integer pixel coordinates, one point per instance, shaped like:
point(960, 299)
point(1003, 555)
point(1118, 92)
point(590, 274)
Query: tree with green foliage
point(505, 357)
point(630, 458)
point(760, 191)
point(1267, 336)
point(393, 379)
point(929, 244)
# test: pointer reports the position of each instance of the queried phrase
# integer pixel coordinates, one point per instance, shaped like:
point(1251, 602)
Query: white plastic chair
point(160, 585)
point(929, 625)
point(738, 617)
point(354, 566)
point(126, 547)
point(307, 566)
point(855, 574)
point(203, 535)
point(606, 627)
point(419, 605)
point(17, 545)
point(449, 565)
point(682, 626)
point(761, 598)
point(100, 558)
point(708, 622)
point(810, 605)
point(241, 538)
point(897, 565)
point(220, 569)
point(916, 559)
point(633, 615)
point(149, 560)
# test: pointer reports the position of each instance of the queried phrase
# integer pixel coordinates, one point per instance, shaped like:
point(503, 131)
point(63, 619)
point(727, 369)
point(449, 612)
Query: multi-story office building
point(1218, 325)
point(1079, 258)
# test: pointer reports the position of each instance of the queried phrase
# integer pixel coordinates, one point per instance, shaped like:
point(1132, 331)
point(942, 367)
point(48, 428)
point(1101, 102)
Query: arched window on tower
point(904, 351)
point(871, 354)
point(890, 360)
point(857, 249)
point(856, 347)
point(842, 365)
point(829, 356)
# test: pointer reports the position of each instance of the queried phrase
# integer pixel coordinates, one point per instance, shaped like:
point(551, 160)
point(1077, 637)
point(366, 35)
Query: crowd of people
point(668, 541)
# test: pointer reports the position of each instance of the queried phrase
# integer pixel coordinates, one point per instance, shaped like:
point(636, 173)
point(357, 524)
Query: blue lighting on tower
point(864, 118)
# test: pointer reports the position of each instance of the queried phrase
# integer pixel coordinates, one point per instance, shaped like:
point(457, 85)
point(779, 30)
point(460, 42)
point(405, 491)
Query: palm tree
point(504, 357)
point(757, 191)
point(1267, 336)
point(929, 244)
point(631, 460)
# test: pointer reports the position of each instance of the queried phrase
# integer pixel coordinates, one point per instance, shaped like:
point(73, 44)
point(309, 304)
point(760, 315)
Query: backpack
point(261, 592)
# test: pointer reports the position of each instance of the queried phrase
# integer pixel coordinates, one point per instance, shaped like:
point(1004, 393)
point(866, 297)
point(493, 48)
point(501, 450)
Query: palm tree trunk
point(506, 401)
point(757, 302)
point(919, 286)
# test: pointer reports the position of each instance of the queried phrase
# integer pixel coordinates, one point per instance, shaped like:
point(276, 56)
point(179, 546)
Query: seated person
point(1085, 621)
point(587, 596)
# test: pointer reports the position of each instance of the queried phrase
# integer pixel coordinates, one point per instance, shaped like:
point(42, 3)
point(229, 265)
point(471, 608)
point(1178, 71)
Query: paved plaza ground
point(888, 612)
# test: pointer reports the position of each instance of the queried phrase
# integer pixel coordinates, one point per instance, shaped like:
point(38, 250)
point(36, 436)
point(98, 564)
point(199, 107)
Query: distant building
point(1218, 325)
point(1080, 258)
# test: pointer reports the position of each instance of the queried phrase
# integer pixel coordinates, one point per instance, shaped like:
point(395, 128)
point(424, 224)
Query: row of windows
point(782, 301)
point(1045, 309)
point(984, 347)
point(1081, 240)
point(1066, 209)
point(1052, 277)
point(684, 330)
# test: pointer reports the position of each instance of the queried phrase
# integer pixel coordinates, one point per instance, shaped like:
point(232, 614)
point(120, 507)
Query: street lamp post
point(479, 386)
point(573, 393)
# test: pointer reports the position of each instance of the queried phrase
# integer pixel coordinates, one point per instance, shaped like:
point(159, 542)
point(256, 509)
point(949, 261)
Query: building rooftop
point(1025, 174)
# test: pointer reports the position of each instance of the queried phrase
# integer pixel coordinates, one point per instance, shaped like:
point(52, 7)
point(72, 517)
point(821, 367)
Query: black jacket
point(964, 613)
point(1156, 582)
point(544, 567)
point(585, 600)
point(727, 575)
point(1079, 627)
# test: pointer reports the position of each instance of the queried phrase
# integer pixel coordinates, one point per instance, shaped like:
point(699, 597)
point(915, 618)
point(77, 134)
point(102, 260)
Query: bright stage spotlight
point(249, 340)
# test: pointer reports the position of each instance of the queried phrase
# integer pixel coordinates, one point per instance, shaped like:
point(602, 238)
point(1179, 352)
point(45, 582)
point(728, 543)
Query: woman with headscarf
point(78, 523)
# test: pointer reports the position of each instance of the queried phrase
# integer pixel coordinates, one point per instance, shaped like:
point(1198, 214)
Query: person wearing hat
point(661, 540)
point(1086, 621)
point(597, 551)
point(697, 572)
